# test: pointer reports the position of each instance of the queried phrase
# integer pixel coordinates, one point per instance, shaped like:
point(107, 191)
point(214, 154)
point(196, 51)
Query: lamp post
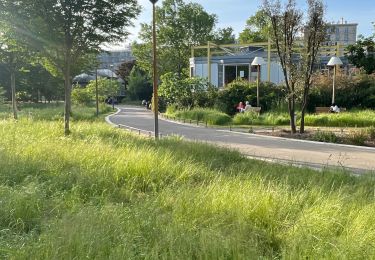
point(334, 61)
point(113, 95)
point(258, 61)
point(222, 64)
point(155, 101)
point(96, 90)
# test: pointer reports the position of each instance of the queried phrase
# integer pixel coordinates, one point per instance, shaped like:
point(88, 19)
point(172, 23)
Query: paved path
point(305, 153)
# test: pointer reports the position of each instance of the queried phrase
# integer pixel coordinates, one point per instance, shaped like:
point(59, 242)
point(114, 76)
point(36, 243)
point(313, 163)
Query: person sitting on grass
point(334, 109)
point(248, 106)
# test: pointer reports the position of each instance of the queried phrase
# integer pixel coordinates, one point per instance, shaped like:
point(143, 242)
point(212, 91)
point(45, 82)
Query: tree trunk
point(291, 106)
point(13, 87)
point(68, 93)
point(303, 110)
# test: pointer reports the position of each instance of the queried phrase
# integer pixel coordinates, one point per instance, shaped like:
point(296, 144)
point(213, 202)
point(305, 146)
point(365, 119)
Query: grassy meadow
point(103, 193)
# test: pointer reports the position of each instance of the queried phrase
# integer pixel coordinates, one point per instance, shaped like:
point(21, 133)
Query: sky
point(234, 13)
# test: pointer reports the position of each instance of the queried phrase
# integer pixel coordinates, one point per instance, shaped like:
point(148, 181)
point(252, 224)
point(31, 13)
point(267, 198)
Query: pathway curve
point(297, 152)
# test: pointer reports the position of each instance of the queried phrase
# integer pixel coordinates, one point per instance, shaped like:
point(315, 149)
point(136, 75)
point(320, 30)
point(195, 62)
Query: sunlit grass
point(106, 194)
point(210, 116)
point(363, 118)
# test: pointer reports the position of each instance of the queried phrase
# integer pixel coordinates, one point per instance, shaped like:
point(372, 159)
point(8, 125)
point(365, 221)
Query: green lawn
point(104, 193)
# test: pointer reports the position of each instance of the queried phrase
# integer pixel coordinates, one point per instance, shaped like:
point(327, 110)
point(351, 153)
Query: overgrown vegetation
point(324, 136)
point(54, 112)
point(365, 118)
point(104, 193)
point(106, 88)
point(209, 116)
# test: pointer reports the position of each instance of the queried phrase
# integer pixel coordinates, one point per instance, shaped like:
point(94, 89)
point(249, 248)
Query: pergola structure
point(268, 48)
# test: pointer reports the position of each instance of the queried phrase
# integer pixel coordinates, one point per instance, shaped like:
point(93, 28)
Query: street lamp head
point(334, 61)
point(257, 61)
point(153, 1)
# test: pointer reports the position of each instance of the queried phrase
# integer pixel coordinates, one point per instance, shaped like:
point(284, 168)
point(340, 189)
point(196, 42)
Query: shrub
point(357, 137)
point(106, 88)
point(139, 86)
point(352, 92)
point(323, 136)
point(23, 96)
point(371, 132)
point(187, 92)
point(271, 96)
point(81, 96)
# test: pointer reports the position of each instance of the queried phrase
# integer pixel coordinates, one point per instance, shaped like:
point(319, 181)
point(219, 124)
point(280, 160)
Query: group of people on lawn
point(241, 108)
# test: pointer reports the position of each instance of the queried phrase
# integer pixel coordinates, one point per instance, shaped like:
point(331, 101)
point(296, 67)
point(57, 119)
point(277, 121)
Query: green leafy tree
point(185, 92)
point(224, 36)
point(180, 25)
point(140, 86)
point(257, 28)
point(106, 88)
point(66, 31)
point(362, 54)
point(315, 34)
point(12, 50)
point(125, 69)
point(81, 96)
point(286, 24)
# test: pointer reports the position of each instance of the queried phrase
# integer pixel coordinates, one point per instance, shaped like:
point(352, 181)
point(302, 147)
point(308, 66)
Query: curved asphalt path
point(295, 152)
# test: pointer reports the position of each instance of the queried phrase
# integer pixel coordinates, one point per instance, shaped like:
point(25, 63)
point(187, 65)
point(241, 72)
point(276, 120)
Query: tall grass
point(211, 116)
point(252, 118)
point(364, 118)
point(52, 111)
point(106, 194)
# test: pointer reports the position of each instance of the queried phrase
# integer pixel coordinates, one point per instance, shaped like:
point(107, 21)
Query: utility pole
point(155, 101)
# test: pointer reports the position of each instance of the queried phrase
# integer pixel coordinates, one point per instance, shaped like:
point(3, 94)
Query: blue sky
point(234, 13)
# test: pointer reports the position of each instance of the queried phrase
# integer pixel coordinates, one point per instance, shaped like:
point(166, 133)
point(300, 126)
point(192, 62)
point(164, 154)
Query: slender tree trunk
point(96, 92)
point(291, 107)
point(68, 93)
point(303, 110)
point(13, 87)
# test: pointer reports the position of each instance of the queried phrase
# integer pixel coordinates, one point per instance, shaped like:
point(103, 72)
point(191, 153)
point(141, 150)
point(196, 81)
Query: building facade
point(114, 58)
point(342, 33)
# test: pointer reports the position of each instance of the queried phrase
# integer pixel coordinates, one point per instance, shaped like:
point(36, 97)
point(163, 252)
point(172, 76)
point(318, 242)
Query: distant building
point(342, 33)
point(115, 58)
point(225, 69)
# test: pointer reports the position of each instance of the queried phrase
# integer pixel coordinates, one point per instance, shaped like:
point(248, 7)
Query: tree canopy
point(180, 25)
point(257, 28)
point(362, 54)
point(64, 32)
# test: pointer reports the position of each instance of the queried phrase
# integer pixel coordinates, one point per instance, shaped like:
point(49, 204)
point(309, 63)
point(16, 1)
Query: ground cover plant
point(211, 116)
point(104, 193)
